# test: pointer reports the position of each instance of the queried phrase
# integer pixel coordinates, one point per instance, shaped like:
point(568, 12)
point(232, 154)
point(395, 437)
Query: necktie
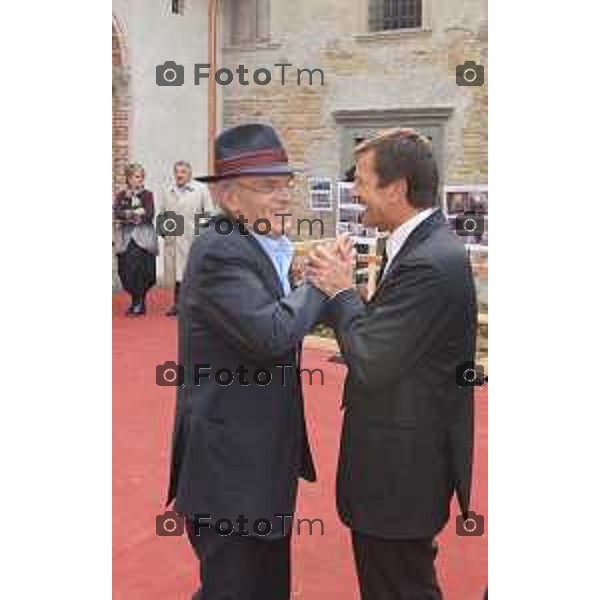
point(384, 260)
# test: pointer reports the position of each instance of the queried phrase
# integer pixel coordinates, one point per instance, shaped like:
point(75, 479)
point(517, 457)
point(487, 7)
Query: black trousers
point(235, 567)
point(137, 270)
point(395, 569)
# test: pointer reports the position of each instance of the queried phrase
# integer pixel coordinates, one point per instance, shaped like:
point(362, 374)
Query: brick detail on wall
point(120, 124)
point(120, 110)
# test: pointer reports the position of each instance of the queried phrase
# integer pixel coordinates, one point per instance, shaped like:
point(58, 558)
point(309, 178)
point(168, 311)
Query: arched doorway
point(120, 108)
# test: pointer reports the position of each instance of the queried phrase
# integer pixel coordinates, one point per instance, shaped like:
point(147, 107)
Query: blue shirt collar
point(281, 252)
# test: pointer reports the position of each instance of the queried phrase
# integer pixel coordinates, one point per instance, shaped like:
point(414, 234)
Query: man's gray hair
point(217, 188)
point(182, 163)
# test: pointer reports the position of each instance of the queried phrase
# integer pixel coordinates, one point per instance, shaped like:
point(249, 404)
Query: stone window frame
point(364, 34)
point(366, 122)
point(260, 37)
point(380, 21)
point(177, 7)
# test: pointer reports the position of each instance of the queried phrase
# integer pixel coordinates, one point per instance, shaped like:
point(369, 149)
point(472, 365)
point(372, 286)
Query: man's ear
point(228, 198)
point(398, 190)
point(403, 188)
point(234, 198)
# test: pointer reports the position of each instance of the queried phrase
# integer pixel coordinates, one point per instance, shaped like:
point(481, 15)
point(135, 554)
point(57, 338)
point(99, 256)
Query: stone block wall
point(401, 73)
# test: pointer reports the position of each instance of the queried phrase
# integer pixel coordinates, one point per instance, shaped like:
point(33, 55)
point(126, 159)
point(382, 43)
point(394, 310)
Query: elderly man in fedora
point(240, 441)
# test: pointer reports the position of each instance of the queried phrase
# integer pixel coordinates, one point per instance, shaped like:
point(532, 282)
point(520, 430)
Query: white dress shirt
point(398, 237)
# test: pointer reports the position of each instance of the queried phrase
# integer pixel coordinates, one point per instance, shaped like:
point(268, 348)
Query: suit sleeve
point(236, 300)
point(380, 341)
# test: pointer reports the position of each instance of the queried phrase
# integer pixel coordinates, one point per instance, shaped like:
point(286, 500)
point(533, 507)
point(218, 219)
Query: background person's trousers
point(395, 569)
point(235, 567)
point(137, 271)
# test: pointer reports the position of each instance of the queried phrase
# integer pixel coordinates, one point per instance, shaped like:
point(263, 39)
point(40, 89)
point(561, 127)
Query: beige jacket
point(193, 199)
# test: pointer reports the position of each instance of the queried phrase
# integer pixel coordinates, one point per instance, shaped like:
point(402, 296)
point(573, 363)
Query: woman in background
point(135, 238)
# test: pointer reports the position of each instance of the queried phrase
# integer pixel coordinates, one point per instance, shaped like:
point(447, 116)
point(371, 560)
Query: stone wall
point(157, 125)
point(372, 80)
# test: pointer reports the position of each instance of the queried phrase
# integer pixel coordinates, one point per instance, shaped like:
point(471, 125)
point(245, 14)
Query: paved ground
point(148, 567)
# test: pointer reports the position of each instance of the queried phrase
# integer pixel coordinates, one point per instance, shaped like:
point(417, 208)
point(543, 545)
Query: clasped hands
point(330, 266)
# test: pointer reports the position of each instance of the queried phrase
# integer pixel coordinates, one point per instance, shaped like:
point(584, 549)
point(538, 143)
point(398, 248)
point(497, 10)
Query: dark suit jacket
point(407, 434)
point(239, 449)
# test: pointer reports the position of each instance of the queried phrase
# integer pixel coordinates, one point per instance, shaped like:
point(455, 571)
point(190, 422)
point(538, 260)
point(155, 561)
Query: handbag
point(145, 237)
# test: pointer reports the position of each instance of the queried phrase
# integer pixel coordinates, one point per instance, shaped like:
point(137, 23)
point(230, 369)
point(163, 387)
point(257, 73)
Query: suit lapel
point(419, 234)
point(264, 262)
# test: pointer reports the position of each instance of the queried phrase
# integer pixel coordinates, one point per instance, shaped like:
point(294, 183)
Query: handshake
point(329, 266)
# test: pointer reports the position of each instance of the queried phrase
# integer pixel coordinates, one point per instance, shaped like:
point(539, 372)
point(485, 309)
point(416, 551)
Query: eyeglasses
point(291, 187)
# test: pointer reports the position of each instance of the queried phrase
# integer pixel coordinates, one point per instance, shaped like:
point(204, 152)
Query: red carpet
point(148, 567)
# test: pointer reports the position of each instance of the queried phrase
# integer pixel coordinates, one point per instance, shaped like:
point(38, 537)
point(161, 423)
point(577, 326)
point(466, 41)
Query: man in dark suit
point(407, 434)
point(240, 441)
